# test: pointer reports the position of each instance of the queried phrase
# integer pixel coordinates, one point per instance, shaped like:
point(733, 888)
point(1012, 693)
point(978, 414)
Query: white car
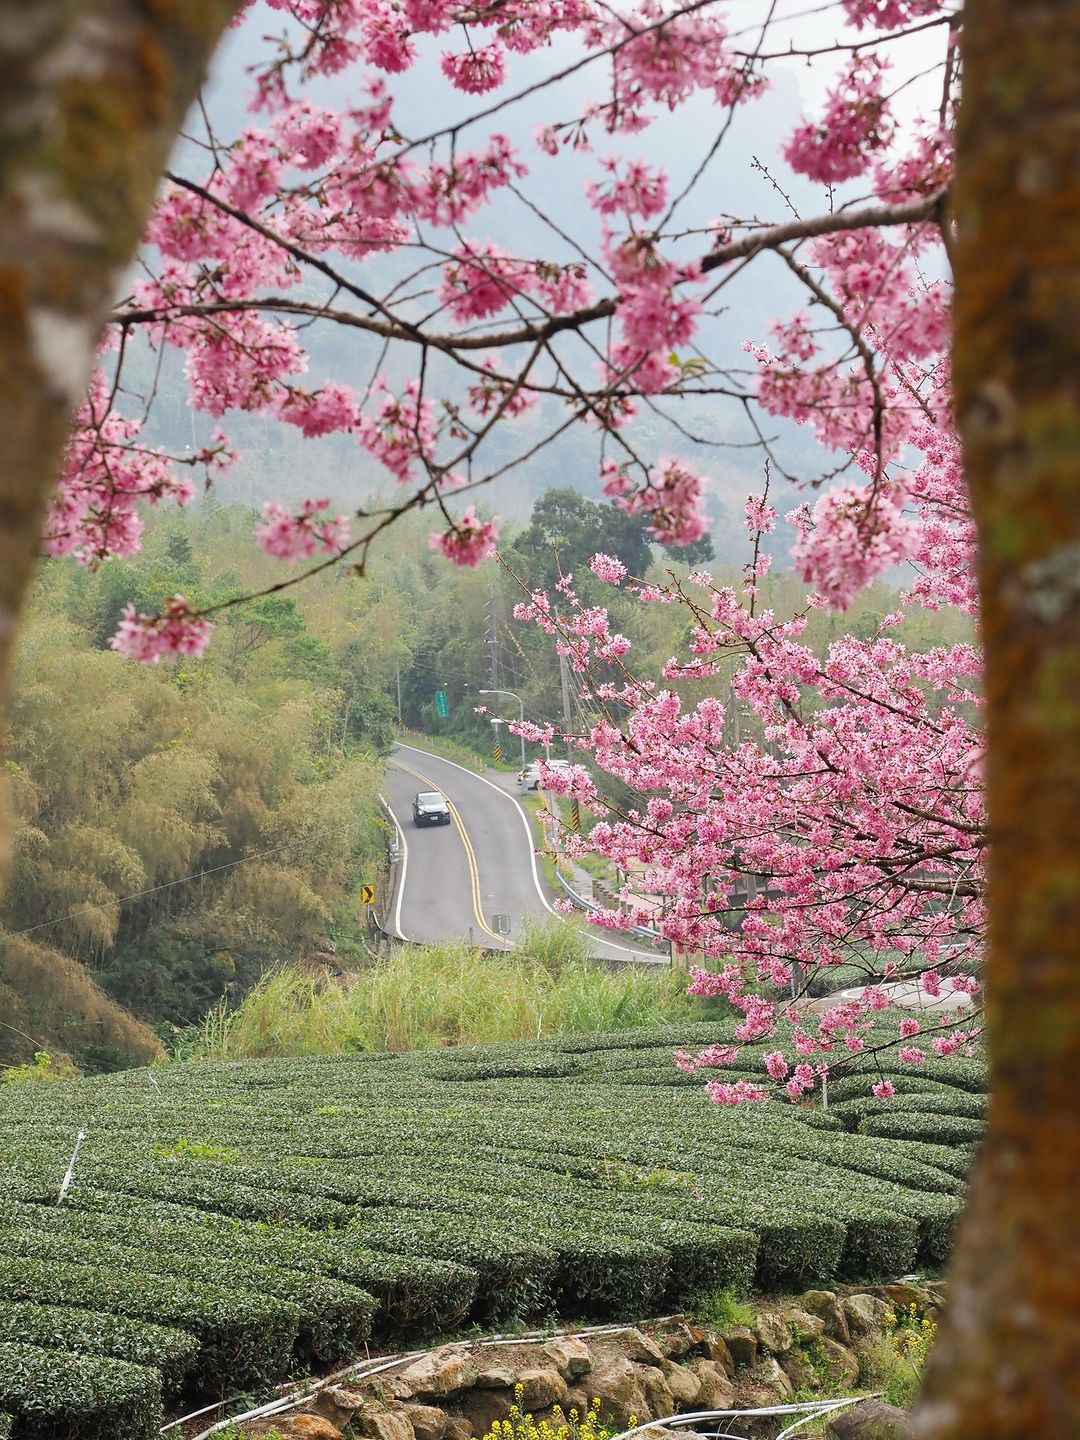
point(529, 778)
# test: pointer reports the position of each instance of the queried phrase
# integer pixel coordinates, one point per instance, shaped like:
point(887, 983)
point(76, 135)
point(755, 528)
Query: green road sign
point(441, 707)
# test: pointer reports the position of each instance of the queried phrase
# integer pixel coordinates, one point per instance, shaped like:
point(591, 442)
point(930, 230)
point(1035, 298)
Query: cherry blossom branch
point(913, 212)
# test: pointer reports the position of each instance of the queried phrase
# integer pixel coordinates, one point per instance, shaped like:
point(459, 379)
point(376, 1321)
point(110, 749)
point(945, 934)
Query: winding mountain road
point(453, 880)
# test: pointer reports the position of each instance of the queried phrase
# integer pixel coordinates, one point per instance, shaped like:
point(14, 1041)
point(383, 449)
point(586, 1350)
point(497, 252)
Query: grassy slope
point(450, 994)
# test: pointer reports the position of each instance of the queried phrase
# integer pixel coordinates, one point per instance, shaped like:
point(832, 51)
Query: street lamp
point(521, 707)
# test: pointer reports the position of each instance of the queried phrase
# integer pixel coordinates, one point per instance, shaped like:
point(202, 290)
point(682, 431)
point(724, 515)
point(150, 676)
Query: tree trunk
point(1007, 1363)
point(92, 94)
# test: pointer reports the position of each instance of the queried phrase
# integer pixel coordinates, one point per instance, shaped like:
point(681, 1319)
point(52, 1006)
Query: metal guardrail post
point(643, 932)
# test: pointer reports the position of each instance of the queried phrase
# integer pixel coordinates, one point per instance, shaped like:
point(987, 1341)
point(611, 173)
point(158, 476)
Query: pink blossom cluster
point(468, 540)
point(890, 14)
point(656, 313)
point(723, 1092)
point(399, 429)
point(290, 536)
point(853, 801)
point(106, 472)
point(495, 392)
point(480, 281)
point(926, 170)
point(852, 534)
point(308, 184)
point(712, 1055)
point(475, 71)
point(760, 515)
point(856, 124)
point(633, 189)
point(177, 632)
point(666, 64)
point(672, 498)
point(607, 568)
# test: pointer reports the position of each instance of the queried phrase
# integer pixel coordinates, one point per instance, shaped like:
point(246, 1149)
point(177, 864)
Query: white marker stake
point(71, 1167)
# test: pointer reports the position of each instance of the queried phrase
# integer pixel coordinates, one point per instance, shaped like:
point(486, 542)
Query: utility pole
point(492, 636)
point(521, 706)
point(400, 726)
point(564, 676)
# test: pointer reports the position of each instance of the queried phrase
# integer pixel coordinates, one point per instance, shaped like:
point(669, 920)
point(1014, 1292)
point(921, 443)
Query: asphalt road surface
point(453, 880)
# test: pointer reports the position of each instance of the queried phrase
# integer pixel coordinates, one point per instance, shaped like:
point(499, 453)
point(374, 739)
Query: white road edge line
point(404, 868)
point(429, 754)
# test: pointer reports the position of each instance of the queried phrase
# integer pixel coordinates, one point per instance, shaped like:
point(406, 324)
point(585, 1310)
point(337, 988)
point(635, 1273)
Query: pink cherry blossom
point(468, 541)
point(856, 123)
point(475, 71)
point(671, 498)
point(721, 1092)
point(607, 568)
point(176, 633)
point(290, 536)
point(776, 1065)
point(791, 807)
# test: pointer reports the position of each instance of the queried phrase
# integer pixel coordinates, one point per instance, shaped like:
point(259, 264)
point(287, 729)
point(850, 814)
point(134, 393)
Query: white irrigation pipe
point(365, 1369)
point(825, 1407)
point(801, 1408)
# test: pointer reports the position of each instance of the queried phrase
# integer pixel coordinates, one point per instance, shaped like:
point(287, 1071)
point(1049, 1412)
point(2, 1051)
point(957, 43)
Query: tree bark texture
point(92, 94)
point(1007, 1363)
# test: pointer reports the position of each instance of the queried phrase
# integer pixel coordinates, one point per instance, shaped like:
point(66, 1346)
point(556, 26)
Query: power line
point(155, 889)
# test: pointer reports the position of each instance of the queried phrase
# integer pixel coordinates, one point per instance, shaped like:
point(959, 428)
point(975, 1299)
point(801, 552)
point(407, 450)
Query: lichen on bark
point(92, 94)
point(1005, 1365)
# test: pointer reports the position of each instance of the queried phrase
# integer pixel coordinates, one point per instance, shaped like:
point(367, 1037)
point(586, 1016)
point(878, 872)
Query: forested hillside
point(182, 828)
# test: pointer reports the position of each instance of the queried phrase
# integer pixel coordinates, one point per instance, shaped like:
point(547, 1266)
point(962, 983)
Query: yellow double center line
point(470, 853)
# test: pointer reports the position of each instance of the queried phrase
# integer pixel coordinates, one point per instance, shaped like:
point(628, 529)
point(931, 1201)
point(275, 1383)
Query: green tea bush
point(607, 1274)
point(515, 1275)
point(795, 1251)
point(55, 1396)
point(962, 1103)
point(335, 1318)
point(704, 1258)
point(54, 1327)
point(858, 1086)
point(244, 1339)
point(879, 1245)
point(415, 1295)
point(934, 1129)
point(276, 1210)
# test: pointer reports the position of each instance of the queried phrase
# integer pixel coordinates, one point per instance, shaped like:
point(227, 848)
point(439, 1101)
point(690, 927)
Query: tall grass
point(447, 994)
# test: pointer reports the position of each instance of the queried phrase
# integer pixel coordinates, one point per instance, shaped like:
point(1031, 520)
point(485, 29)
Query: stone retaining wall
point(809, 1345)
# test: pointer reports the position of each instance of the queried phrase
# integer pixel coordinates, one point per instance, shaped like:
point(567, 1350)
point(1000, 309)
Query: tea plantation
point(227, 1224)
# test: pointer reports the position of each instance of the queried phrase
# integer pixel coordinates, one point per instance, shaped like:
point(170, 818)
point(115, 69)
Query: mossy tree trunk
point(1007, 1363)
point(92, 94)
